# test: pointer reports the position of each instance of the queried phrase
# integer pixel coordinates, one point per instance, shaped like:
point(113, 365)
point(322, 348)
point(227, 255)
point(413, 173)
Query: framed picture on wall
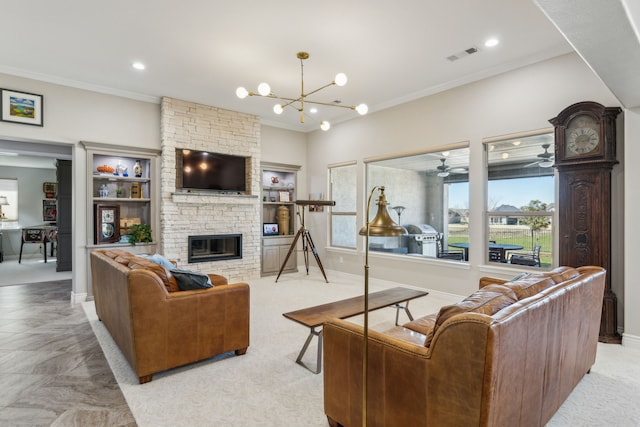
point(49, 211)
point(21, 107)
point(107, 223)
point(49, 189)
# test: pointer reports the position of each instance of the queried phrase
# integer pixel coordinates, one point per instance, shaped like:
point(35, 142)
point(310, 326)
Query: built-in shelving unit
point(279, 184)
point(132, 198)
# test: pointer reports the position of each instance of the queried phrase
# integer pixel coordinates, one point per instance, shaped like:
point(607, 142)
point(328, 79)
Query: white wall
point(517, 101)
point(74, 115)
point(631, 228)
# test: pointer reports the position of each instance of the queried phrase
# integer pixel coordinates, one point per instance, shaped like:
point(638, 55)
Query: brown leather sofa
point(508, 355)
point(157, 326)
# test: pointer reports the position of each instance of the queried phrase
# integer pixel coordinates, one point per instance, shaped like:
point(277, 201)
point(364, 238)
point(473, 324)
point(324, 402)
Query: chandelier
point(298, 103)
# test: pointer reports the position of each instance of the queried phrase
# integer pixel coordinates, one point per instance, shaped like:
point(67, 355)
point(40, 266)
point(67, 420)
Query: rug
point(265, 387)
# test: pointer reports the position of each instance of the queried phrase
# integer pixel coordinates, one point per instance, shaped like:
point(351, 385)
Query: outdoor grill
point(422, 239)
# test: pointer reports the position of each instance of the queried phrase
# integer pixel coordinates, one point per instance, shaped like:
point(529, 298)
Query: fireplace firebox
point(216, 247)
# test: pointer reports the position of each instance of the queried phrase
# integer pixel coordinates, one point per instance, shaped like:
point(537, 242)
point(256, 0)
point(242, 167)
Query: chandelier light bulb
point(325, 125)
point(362, 109)
point(341, 79)
point(264, 89)
point(278, 109)
point(242, 93)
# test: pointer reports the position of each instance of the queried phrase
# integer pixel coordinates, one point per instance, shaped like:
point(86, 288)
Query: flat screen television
point(202, 170)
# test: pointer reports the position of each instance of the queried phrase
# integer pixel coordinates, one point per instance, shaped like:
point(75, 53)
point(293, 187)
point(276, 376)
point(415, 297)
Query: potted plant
point(118, 192)
point(140, 233)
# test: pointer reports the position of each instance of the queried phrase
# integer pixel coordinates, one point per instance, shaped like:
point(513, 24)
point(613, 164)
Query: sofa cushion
point(165, 275)
point(190, 280)
point(561, 274)
point(123, 259)
point(501, 288)
point(530, 285)
point(424, 325)
point(484, 301)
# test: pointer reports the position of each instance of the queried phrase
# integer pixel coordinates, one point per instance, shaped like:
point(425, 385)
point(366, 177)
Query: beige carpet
point(266, 387)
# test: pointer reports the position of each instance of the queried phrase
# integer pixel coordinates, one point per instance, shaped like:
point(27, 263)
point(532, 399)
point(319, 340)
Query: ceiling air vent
point(462, 54)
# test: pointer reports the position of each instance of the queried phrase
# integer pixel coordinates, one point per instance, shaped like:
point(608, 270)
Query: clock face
point(107, 215)
point(582, 136)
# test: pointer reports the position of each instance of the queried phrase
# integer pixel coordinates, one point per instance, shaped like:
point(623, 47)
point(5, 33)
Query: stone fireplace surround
point(201, 127)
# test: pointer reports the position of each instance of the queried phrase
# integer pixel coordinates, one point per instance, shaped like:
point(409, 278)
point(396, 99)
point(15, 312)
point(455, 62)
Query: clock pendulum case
point(585, 145)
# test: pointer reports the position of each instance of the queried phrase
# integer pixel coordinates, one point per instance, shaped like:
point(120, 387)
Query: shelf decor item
point(284, 196)
point(137, 169)
point(107, 221)
point(21, 107)
point(139, 233)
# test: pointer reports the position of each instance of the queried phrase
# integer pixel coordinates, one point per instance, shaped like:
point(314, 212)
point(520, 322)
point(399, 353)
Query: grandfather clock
point(585, 154)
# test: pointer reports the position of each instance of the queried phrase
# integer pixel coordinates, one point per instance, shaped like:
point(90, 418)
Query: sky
point(517, 192)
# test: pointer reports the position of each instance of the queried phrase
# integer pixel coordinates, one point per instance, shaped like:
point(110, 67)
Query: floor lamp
point(380, 226)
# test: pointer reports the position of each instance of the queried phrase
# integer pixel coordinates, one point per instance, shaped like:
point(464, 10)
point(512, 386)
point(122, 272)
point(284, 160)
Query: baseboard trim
point(77, 298)
point(631, 341)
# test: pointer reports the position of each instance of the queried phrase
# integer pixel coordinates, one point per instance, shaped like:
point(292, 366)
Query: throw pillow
point(159, 259)
point(165, 275)
point(190, 280)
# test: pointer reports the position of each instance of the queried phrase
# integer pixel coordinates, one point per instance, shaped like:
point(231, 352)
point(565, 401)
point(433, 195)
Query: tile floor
point(52, 369)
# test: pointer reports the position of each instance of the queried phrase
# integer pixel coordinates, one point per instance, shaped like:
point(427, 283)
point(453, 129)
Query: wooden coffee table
point(314, 317)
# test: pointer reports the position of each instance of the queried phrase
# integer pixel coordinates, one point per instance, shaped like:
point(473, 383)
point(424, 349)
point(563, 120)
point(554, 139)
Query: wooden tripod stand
point(307, 243)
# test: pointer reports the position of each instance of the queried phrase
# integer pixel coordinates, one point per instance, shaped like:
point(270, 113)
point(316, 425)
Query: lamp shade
point(382, 225)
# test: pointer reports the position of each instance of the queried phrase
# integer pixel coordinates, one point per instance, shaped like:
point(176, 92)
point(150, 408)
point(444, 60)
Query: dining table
point(500, 247)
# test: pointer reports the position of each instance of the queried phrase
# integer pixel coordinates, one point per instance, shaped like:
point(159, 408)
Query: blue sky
point(517, 192)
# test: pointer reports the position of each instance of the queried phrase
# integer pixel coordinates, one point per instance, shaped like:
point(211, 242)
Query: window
point(342, 179)
point(428, 194)
point(9, 189)
point(520, 199)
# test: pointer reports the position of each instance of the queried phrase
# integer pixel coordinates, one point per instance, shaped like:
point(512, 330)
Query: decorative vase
point(283, 220)
point(137, 169)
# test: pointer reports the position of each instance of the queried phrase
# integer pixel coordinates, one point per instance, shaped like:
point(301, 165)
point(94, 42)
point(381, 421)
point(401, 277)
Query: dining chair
point(33, 235)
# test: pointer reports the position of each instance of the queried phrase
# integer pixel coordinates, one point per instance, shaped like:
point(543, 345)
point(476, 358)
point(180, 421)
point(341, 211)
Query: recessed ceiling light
point(313, 110)
point(138, 65)
point(491, 42)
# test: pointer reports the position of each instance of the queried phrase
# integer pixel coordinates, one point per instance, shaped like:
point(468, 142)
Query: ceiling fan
point(444, 170)
point(546, 158)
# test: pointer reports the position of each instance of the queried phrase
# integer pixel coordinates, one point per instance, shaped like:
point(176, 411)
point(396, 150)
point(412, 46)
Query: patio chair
point(527, 258)
point(447, 254)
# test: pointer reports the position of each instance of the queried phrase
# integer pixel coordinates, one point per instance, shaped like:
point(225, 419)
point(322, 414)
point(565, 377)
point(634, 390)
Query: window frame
point(334, 211)
point(539, 137)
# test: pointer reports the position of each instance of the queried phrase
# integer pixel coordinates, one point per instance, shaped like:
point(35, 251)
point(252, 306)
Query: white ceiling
point(202, 50)
point(393, 52)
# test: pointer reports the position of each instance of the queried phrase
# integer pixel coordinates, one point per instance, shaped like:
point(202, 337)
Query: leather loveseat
point(155, 324)
point(508, 355)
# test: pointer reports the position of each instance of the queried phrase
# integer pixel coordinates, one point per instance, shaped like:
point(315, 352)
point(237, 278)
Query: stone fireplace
point(182, 214)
